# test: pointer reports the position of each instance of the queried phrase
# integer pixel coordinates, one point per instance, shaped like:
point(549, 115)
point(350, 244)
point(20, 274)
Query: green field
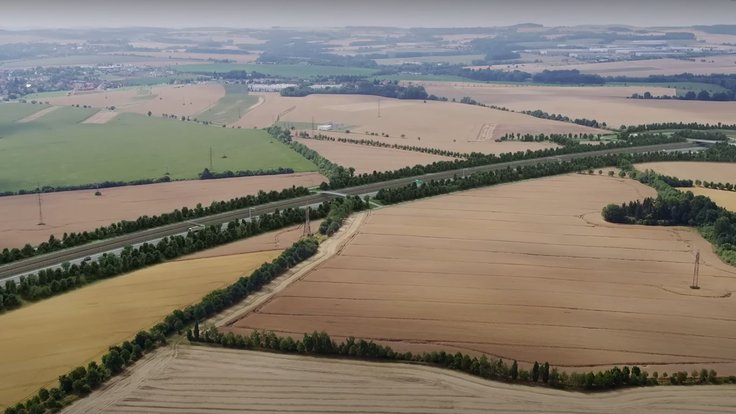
point(58, 150)
point(285, 71)
point(230, 107)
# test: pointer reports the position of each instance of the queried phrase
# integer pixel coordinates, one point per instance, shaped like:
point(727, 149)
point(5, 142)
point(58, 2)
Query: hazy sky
point(333, 13)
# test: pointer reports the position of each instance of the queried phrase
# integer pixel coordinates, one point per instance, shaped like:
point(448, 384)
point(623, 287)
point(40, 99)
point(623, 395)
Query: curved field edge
point(164, 383)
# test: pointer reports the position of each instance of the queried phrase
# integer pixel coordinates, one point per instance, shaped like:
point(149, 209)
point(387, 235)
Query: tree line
point(147, 222)
point(478, 159)
point(381, 144)
point(388, 89)
point(558, 117)
point(704, 135)
point(51, 282)
point(676, 208)
point(206, 174)
point(93, 186)
point(719, 152)
point(675, 125)
point(541, 374)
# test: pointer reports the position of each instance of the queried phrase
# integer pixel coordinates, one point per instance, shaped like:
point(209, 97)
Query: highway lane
point(13, 270)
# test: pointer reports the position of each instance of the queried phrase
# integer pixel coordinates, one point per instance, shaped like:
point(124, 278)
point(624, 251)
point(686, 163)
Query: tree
point(150, 113)
point(535, 371)
point(195, 333)
point(545, 372)
point(614, 213)
point(514, 371)
point(113, 361)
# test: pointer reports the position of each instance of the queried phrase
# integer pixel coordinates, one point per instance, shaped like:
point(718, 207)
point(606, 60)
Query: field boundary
point(329, 248)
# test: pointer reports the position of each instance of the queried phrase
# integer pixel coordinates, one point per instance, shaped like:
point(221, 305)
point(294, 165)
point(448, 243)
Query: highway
point(75, 254)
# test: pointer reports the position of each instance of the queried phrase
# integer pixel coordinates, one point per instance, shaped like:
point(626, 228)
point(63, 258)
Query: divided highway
point(75, 253)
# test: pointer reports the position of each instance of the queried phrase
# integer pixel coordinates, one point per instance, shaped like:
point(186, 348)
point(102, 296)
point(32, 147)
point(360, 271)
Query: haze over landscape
point(338, 13)
point(350, 206)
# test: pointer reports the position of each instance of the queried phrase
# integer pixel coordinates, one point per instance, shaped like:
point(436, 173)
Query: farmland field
point(603, 103)
point(366, 159)
point(725, 199)
point(638, 68)
point(277, 70)
point(46, 339)
point(76, 211)
point(187, 100)
point(719, 172)
point(525, 271)
point(202, 379)
point(229, 108)
point(445, 125)
point(58, 149)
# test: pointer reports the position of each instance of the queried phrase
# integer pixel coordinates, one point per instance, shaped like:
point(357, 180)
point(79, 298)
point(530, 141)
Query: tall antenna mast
point(40, 208)
point(307, 229)
point(696, 272)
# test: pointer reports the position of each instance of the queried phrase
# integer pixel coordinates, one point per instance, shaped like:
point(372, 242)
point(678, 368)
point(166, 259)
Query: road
point(76, 254)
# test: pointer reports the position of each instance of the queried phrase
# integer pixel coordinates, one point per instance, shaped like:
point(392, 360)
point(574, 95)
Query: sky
point(16, 14)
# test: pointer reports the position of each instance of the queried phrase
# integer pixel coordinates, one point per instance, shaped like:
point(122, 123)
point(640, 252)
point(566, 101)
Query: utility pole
point(210, 158)
point(312, 123)
point(696, 272)
point(379, 107)
point(40, 208)
point(307, 229)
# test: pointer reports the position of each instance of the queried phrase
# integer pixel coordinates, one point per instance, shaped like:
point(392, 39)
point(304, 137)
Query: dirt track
point(525, 271)
point(204, 380)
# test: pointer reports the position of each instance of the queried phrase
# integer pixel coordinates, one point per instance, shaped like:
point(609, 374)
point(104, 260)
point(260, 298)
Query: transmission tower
point(696, 271)
point(307, 229)
point(40, 209)
point(379, 107)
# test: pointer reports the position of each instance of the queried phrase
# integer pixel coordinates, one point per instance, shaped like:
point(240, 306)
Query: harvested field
point(193, 379)
point(445, 125)
point(34, 116)
point(637, 68)
point(719, 172)
point(75, 211)
point(187, 100)
point(46, 339)
point(366, 159)
point(101, 117)
point(525, 271)
point(603, 103)
point(725, 199)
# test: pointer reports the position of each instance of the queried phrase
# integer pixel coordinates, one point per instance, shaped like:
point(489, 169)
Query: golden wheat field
point(43, 340)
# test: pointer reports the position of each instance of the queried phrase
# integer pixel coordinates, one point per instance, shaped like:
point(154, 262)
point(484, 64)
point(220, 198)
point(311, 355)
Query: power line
point(40, 208)
point(696, 272)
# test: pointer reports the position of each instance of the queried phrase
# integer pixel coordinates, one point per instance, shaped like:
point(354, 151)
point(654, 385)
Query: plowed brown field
point(719, 172)
point(446, 125)
point(75, 211)
point(204, 380)
point(603, 103)
point(527, 271)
